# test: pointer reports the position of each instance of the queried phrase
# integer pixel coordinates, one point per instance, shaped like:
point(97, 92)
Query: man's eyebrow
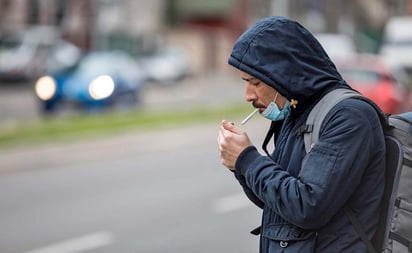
point(248, 79)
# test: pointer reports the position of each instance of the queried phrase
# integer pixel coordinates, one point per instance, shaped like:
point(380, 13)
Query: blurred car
point(397, 43)
point(339, 47)
point(62, 55)
point(166, 65)
point(98, 80)
point(25, 56)
point(370, 75)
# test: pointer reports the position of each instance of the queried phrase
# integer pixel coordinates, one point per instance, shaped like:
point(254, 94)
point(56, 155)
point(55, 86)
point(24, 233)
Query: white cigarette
point(249, 117)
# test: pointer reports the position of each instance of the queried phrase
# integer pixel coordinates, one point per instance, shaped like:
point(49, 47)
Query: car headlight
point(101, 87)
point(45, 87)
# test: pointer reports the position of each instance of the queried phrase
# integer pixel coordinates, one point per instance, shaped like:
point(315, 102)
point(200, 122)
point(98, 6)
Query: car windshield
point(361, 76)
point(96, 64)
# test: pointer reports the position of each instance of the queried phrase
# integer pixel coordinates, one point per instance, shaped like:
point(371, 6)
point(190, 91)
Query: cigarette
point(249, 117)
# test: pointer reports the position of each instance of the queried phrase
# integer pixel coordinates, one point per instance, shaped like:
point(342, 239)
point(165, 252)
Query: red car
point(369, 75)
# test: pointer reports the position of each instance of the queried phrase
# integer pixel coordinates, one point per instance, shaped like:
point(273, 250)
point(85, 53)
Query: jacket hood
point(283, 54)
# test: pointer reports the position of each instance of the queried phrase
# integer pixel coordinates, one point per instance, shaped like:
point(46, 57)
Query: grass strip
point(81, 125)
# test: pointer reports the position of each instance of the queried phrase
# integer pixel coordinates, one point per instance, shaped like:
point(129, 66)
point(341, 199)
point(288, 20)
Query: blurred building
point(206, 29)
point(72, 17)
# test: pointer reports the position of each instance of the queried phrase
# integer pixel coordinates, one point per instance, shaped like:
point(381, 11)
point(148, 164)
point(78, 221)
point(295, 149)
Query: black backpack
point(394, 232)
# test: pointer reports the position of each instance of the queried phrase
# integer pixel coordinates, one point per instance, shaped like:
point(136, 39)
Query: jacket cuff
point(245, 159)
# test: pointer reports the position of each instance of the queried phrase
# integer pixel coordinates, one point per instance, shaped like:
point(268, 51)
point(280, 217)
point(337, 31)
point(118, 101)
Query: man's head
point(285, 56)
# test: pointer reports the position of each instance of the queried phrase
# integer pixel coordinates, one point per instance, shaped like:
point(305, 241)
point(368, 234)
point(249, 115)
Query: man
point(303, 196)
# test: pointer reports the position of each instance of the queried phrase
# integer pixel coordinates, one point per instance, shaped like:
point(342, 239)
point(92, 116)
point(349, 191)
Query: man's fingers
point(220, 138)
point(229, 126)
point(225, 136)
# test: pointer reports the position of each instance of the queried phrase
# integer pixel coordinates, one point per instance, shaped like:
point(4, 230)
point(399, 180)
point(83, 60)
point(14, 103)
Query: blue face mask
point(273, 113)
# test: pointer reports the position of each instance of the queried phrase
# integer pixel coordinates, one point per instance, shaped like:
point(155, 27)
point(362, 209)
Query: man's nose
point(250, 94)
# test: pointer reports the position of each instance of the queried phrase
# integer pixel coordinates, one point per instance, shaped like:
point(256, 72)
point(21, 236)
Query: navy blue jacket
point(303, 195)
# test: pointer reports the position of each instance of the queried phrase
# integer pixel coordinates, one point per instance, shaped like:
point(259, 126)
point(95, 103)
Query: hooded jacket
point(303, 196)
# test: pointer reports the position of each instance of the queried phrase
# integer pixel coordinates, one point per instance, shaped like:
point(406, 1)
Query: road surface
point(157, 191)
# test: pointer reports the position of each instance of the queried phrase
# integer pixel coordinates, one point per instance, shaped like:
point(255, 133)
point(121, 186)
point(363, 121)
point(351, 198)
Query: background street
point(155, 191)
point(162, 189)
point(18, 101)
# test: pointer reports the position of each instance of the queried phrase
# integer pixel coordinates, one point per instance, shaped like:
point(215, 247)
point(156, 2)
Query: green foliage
point(86, 125)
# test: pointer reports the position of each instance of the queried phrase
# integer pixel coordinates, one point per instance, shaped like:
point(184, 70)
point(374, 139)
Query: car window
point(7, 43)
point(95, 65)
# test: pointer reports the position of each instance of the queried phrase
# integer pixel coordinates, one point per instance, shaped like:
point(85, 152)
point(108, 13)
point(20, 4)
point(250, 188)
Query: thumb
point(231, 127)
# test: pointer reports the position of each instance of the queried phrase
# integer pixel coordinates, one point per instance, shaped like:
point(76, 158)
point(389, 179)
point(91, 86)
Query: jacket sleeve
point(249, 193)
point(329, 173)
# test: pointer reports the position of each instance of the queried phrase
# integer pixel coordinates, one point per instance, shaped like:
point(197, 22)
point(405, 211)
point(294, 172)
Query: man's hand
point(231, 141)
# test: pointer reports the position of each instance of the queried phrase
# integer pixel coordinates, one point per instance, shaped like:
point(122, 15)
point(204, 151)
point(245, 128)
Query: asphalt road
point(134, 192)
point(161, 191)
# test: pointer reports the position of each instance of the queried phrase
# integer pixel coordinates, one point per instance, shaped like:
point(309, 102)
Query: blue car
point(98, 80)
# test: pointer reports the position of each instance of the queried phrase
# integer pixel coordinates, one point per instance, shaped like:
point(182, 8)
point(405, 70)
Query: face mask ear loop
point(276, 97)
point(287, 101)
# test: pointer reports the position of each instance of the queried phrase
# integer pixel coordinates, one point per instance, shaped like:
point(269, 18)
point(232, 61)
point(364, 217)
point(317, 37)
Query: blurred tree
point(171, 13)
point(370, 17)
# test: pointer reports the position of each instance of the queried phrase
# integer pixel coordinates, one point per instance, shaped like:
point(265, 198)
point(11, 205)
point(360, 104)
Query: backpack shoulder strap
point(312, 129)
point(318, 113)
point(359, 229)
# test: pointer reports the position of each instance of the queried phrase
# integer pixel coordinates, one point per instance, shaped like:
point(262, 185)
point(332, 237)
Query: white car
point(339, 47)
point(34, 52)
point(397, 46)
point(167, 65)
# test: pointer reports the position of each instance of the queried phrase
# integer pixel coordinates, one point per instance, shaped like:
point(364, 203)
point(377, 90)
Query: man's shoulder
point(353, 112)
point(356, 107)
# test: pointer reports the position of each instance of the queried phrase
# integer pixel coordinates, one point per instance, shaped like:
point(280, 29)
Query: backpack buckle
point(305, 129)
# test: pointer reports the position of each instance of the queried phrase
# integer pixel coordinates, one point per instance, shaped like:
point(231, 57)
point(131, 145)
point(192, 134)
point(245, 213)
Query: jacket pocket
point(288, 238)
point(318, 164)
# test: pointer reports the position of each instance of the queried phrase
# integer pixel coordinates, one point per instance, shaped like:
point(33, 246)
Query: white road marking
point(79, 244)
point(231, 203)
